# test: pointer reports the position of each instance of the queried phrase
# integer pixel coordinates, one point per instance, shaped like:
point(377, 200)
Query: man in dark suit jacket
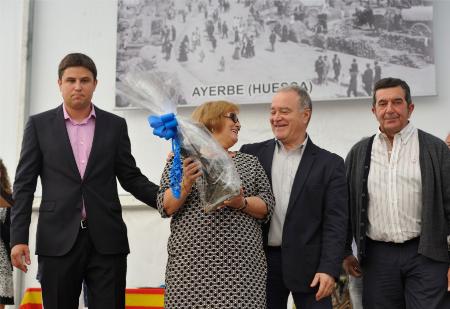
point(78, 150)
point(306, 236)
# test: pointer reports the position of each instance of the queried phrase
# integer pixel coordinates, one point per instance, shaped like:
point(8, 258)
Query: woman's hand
point(235, 202)
point(251, 205)
point(191, 171)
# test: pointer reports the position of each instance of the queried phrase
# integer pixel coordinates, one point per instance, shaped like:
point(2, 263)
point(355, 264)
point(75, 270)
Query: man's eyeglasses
point(233, 117)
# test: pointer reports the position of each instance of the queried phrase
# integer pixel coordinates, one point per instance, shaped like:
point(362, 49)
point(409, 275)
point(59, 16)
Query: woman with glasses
point(216, 260)
point(6, 272)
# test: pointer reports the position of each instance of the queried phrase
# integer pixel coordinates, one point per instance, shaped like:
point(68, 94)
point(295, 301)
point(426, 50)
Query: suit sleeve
point(129, 175)
point(244, 149)
point(349, 238)
point(445, 174)
point(335, 221)
point(27, 172)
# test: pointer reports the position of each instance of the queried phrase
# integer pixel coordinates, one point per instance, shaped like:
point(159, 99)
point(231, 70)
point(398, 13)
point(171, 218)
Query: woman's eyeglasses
point(233, 117)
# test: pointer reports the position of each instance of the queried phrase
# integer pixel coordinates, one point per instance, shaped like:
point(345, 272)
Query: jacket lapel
point(62, 138)
point(426, 167)
point(267, 158)
point(100, 126)
point(301, 176)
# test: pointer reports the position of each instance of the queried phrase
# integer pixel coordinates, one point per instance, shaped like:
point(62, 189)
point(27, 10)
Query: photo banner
point(245, 50)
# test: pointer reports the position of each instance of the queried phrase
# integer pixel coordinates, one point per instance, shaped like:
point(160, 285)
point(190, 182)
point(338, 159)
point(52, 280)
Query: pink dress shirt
point(81, 136)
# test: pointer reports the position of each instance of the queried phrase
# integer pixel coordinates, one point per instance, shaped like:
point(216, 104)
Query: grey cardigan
point(435, 170)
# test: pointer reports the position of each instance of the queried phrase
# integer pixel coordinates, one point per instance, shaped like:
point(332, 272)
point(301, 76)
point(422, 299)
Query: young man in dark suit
point(78, 151)
point(306, 236)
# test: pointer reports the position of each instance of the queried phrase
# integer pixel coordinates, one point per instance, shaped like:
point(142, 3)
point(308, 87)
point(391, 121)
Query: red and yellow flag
point(151, 298)
point(32, 299)
point(146, 298)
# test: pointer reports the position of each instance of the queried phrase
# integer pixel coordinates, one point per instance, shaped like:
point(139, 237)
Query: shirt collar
point(280, 146)
point(404, 133)
point(85, 120)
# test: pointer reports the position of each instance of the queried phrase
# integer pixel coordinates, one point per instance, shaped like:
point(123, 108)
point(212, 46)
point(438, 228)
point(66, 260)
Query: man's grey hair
point(304, 100)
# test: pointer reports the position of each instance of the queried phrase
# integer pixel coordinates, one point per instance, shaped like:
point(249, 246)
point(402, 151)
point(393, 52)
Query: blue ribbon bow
point(166, 126)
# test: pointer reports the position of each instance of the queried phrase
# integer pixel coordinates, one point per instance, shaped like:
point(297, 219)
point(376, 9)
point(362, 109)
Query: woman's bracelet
point(244, 205)
point(183, 187)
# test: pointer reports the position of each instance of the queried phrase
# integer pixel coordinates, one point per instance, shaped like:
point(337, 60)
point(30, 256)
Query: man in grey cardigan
point(399, 203)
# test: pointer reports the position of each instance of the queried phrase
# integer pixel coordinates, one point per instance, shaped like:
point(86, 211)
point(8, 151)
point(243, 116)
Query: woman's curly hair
point(5, 185)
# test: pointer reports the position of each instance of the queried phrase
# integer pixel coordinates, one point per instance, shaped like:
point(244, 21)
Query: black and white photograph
point(246, 49)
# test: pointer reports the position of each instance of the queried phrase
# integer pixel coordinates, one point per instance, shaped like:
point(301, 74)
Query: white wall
point(10, 33)
point(89, 26)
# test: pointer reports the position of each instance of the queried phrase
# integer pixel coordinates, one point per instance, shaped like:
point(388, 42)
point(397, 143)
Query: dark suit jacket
point(47, 152)
point(314, 230)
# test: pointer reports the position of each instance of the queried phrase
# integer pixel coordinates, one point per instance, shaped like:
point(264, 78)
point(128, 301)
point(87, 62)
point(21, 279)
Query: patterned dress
point(217, 260)
point(6, 273)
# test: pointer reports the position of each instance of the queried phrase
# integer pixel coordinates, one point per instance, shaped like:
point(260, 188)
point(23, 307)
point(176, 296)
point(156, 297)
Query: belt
point(83, 224)
point(395, 244)
point(273, 248)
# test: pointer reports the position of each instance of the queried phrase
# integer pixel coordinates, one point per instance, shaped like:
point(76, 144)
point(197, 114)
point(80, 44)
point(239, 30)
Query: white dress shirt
point(284, 167)
point(395, 187)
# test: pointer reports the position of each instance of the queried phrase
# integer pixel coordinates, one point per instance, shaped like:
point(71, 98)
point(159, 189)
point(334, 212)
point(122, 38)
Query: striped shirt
point(285, 164)
point(395, 187)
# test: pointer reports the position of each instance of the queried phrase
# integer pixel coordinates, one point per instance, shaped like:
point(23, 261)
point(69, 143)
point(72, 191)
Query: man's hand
point(448, 279)
point(20, 255)
point(351, 266)
point(326, 285)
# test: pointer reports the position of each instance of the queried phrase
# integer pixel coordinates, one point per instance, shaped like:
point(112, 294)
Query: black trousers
point(278, 293)
point(61, 277)
point(397, 277)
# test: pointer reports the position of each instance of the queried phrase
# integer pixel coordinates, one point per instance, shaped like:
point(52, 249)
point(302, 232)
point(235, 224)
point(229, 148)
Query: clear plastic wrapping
point(220, 180)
